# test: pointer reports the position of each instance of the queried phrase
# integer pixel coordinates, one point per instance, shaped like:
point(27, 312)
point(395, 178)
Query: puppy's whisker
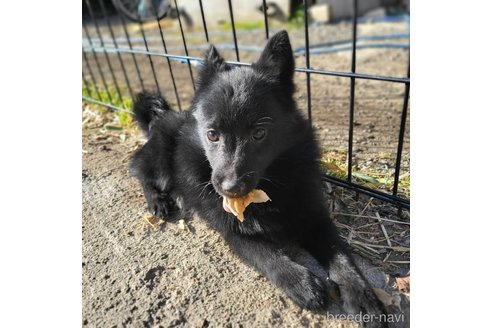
point(200, 185)
point(202, 194)
point(211, 192)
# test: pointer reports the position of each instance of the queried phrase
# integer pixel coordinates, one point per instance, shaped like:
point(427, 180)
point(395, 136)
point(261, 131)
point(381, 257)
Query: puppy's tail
point(147, 108)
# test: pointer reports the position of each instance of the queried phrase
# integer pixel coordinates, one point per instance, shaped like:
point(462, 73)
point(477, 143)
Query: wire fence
point(124, 55)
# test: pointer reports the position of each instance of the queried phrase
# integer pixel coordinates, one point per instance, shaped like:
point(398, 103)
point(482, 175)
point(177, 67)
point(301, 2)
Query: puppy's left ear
point(277, 60)
point(213, 63)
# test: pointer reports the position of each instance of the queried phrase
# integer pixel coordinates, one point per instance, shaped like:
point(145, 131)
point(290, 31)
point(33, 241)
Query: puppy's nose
point(233, 187)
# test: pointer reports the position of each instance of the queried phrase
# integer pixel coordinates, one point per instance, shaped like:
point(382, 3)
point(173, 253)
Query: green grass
point(296, 20)
point(110, 96)
point(124, 118)
point(334, 163)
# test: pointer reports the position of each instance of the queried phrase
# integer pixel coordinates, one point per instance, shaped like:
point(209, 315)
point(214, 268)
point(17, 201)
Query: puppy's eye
point(212, 136)
point(259, 134)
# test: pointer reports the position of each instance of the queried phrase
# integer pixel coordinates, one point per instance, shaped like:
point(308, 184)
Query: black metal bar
point(308, 75)
point(401, 136)
point(354, 36)
point(93, 78)
point(235, 63)
point(355, 75)
point(351, 128)
point(184, 44)
point(352, 92)
point(110, 27)
point(265, 7)
point(98, 32)
point(233, 29)
point(149, 57)
point(203, 20)
point(98, 65)
point(405, 203)
point(167, 58)
point(123, 22)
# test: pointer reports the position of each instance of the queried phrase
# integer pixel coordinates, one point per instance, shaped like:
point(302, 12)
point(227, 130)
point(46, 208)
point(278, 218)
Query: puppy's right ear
point(213, 63)
point(277, 60)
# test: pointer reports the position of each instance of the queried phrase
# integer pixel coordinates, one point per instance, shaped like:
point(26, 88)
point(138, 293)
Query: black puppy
point(244, 132)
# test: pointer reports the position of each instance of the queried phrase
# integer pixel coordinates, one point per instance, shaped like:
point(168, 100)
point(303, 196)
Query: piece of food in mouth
point(237, 205)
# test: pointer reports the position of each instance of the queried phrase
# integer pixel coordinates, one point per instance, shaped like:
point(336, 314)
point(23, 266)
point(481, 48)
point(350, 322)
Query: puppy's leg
point(292, 269)
point(151, 166)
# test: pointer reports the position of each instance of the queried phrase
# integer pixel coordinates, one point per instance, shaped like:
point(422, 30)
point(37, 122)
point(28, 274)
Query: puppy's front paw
point(163, 206)
point(306, 289)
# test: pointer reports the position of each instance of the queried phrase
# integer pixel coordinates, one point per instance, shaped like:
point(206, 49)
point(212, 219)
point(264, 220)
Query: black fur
point(264, 143)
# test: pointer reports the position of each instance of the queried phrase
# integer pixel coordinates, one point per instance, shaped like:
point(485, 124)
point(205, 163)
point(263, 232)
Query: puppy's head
point(246, 115)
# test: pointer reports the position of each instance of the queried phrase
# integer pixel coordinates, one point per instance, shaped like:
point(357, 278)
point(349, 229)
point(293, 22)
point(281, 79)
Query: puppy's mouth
point(238, 194)
point(225, 206)
point(237, 206)
point(226, 195)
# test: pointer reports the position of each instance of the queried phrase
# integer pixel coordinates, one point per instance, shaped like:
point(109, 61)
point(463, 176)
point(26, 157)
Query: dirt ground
point(170, 275)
